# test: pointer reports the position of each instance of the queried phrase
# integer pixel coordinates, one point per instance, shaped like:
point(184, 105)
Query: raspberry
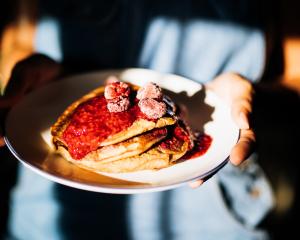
point(152, 108)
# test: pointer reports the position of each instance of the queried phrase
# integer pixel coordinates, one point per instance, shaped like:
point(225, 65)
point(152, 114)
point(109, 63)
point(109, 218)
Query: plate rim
point(111, 189)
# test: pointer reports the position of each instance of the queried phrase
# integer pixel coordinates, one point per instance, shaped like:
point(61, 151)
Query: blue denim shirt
point(228, 206)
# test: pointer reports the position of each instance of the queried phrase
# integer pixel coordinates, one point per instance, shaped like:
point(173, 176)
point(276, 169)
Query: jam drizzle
point(92, 123)
point(201, 145)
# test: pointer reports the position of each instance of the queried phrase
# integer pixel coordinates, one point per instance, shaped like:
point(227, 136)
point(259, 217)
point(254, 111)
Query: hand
point(27, 75)
point(237, 93)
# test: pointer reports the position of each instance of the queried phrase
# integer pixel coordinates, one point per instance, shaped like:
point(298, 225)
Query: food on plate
point(123, 128)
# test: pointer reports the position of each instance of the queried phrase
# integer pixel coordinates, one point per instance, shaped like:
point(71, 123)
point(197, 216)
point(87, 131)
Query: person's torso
point(182, 37)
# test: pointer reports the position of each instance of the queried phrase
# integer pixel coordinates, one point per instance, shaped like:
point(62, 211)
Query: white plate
point(28, 138)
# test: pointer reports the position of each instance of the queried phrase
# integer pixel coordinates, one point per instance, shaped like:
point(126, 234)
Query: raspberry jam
point(174, 143)
point(201, 145)
point(179, 135)
point(92, 123)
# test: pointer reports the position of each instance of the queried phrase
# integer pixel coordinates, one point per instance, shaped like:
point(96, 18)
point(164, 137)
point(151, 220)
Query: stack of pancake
point(92, 137)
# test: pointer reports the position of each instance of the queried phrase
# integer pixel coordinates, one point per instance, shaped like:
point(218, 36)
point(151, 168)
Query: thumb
point(240, 111)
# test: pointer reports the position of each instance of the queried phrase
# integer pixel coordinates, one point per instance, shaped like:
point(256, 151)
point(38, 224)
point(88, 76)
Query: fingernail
point(243, 121)
point(196, 184)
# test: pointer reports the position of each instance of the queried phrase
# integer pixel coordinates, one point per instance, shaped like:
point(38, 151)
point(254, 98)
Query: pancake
point(125, 149)
point(138, 125)
point(105, 134)
point(162, 155)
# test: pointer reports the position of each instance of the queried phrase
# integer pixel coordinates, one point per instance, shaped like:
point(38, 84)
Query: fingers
point(240, 110)
point(31, 73)
point(238, 93)
point(27, 75)
point(240, 152)
point(241, 104)
point(243, 149)
point(196, 183)
point(231, 86)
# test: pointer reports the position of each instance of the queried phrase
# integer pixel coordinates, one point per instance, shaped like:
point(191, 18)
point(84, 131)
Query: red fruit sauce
point(201, 145)
point(92, 123)
point(178, 136)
